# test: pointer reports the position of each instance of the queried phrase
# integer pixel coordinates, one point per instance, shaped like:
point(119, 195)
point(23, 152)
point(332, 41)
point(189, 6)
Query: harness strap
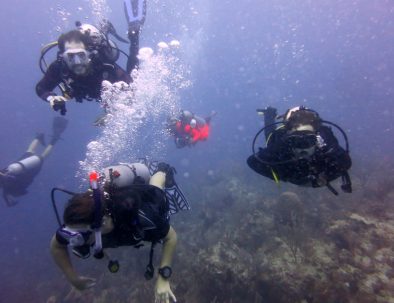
point(346, 183)
point(150, 270)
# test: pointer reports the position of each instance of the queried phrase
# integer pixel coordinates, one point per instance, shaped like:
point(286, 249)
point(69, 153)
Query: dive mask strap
point(150, 270)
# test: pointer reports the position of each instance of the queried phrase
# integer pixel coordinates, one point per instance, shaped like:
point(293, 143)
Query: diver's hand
point(163, 292)
point(58, 103)
point(82, 283)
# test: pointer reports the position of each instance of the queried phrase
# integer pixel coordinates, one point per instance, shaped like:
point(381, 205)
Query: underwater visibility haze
point(245, 239)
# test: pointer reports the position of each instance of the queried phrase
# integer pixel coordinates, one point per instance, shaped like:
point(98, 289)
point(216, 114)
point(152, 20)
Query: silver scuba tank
point(124, 175)
point(100, 41)
point(29, 163)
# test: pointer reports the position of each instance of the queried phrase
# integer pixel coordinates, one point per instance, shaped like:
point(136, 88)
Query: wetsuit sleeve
point(132, 61)
point(335, 158)
point(51, 79)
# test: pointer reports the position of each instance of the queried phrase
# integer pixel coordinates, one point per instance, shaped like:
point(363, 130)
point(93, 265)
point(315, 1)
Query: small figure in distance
point(17, 177)
point(301, 149)
point(86, 57)
point(188, 128)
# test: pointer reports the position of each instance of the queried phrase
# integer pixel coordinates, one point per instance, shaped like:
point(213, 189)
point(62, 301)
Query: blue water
point(333, 56)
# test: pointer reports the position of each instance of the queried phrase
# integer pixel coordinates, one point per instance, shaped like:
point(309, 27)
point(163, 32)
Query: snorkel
point(96, 226)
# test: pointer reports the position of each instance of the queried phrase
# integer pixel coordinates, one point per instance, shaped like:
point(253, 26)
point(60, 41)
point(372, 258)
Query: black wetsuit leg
point(133, 62)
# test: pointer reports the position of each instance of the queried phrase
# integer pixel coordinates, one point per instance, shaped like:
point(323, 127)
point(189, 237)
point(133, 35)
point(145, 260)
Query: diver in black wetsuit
point(134, 206)
point(86, 58)
point(17, 177)
point(302, 150)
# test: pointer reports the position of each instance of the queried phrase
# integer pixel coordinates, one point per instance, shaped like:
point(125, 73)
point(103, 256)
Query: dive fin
point(176, 199)
point(9, 200)
point(135, 14)
point(211, 115)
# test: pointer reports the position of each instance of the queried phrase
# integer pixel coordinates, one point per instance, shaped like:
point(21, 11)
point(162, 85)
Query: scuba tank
point(100, 42)
point(29, 163)
point(125, 175)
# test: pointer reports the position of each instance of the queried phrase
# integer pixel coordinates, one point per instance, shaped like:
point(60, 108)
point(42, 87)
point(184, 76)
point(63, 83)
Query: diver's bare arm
point(158, 180)
point(169, 246)
point(62, 259)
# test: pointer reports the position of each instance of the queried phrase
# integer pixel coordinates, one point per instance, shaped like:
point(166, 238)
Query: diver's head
point(186, 115)
point(193, 123)
point(302, 125)
point(302, 143)
point(301, 118)
point(77, 231)
point(79, 210)
point(73, 47)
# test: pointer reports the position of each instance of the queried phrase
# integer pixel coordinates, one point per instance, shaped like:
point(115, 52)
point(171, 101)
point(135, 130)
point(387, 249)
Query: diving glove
point(268, 111)
point(58, 103)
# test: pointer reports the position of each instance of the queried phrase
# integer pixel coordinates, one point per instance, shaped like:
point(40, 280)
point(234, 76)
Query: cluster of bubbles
point(135, 114)
point(63, 18)
point(99, 9)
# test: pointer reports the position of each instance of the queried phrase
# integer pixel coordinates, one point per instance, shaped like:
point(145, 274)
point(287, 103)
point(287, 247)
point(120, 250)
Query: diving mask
point(301, 140)
point(73, 237)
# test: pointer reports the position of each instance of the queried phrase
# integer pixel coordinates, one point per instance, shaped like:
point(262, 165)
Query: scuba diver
point(86, 57)
point(301, 149)
point(188, 128)
point(17, 177)
point(126, 205)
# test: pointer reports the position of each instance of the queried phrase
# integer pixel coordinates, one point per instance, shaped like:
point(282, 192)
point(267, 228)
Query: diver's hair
point(74, 35)
point(303, 117)
point(80, 209)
